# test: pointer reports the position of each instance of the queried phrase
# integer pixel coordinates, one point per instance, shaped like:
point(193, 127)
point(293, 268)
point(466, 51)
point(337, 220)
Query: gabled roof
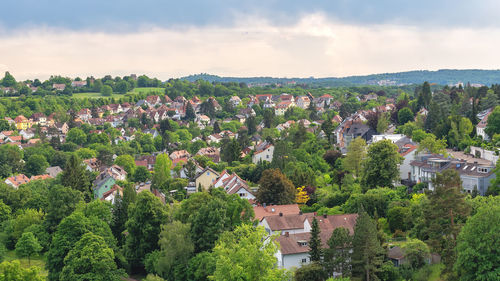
point(274, 210)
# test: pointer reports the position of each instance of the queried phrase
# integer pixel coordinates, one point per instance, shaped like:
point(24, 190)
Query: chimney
point(325, 216)
point(300, 213)
point(287, 234)
point(264, 205)
point(281, 214)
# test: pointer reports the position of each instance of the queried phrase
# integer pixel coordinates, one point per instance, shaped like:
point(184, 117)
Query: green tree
point(122, 87)
point(477, 246)
point(493, 126)
point(176, 250)
point(106, 90)
point(432, 145)
point(91, 259)
point(230, 150)
point(405, 115)
point(11, 157)
point(8, 80)
point(141, 174)
point(381, 165)
point(275, 188)
point(367, 255)
point(242, 254)
point(146, 216)
point(442, 217)
point(398, 218)
point(190, 114)
point(338, 254)
point(416, 253)
point(356, 152)
point(310, 272)
point(13, 271)
point(251, 125)
point(315, 252)
point(36, 165)
point(5, 212)
point(127, 162)
point(383, 123)
point(62, 202)
point(27, 246)
point(75, 176)
point(161, 174)
point(76, 135)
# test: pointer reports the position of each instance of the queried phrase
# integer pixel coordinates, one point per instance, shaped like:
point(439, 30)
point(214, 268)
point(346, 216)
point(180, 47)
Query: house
point(481, 126)
point(202, 121)
point(282, 107)
point(22, 123)
point(27, 134)
point(39, 119)
point(262, 211)
point(40, 177)
point(14, 139)
point(152, 101)
point(392, 137)
point(78, 84)
point(303, 102)
point(103, 184)
point(116, 172)
point(211, 152)
point(91, 165)
point(396, 255)
point(58, 87)
point(53, 171)
point(474, 176)
point(16, 181)
point(179, 154)
point(264, 153)
point(147, 161)
point(111, 194)
point(233, 184)
point(408, 153)
point(63, 128)
point(357, 130)
point(235, 101)
point(294, 248)
point(337, 119)
point(206, 178)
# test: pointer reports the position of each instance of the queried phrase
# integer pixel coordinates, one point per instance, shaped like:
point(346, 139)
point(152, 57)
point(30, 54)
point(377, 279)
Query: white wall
point(405, 167)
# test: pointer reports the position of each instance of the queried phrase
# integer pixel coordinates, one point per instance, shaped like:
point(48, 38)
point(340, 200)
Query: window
point(304, 260)
point(208, 173)
point(242, 194)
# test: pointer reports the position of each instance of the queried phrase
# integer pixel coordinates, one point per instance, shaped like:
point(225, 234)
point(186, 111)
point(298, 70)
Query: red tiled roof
point(274, 210)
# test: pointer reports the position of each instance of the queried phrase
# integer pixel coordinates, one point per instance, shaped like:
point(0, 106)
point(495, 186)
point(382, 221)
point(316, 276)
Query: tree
point(398, 218)
point(405, 115)
point(36, 165)
point(8, 80)
point(91, 259)
point(493, 126)
point(315, 242)
point(76, 135)
point(190, 114)
point(27, 246)
point(13, 271)
point(275, 188)
point(268, 116)
point(105, 154)
point(216, 127)
point(176, 250)
point(251, 125)
point(208, 224)
point(122, 87)
point(367, 253)
point(356, 152)
point(62, 202)
point(230, 150)
point(141, 174)
point(75, 176)
point(442, 217)
point(106, 90)
point(383, 123)
point(127, 162)
point(331, 156)
point(146, 216)
point(161, 174)
point(433, 145)
point(310, 272)
point(477, 246)
point(416, 253)
point(338, 254)
point(243, 254)
point(381, 165)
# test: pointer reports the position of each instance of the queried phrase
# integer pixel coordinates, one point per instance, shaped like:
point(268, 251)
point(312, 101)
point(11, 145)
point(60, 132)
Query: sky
point(288, 38)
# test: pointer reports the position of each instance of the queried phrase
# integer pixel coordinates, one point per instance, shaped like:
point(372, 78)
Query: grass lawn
point(149, 90)
point(35, 261)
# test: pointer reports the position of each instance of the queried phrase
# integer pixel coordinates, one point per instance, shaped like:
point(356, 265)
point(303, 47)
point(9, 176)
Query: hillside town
point(311, 169)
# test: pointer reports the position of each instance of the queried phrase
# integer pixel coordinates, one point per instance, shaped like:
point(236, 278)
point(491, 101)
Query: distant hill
point(441, 77)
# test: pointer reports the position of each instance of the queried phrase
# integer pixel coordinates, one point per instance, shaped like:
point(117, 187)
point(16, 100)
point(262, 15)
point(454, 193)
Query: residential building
point(211, 152)
point(17, 180)
point(264, 210)
point(206, 178)
point(53, 171)
point(282, 107)
point(263, 153)
point(233, 184)
point(22, 123)
point(481, 126)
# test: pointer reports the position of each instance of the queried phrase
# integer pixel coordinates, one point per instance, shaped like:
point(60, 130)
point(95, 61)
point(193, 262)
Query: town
point(192, 180)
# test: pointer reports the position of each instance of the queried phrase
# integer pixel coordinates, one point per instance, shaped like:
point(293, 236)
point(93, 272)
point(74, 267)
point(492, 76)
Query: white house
point(263, 154)
point(481, 126)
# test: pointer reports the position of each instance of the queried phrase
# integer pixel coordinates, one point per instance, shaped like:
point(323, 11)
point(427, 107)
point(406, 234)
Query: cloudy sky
point(289, 38)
